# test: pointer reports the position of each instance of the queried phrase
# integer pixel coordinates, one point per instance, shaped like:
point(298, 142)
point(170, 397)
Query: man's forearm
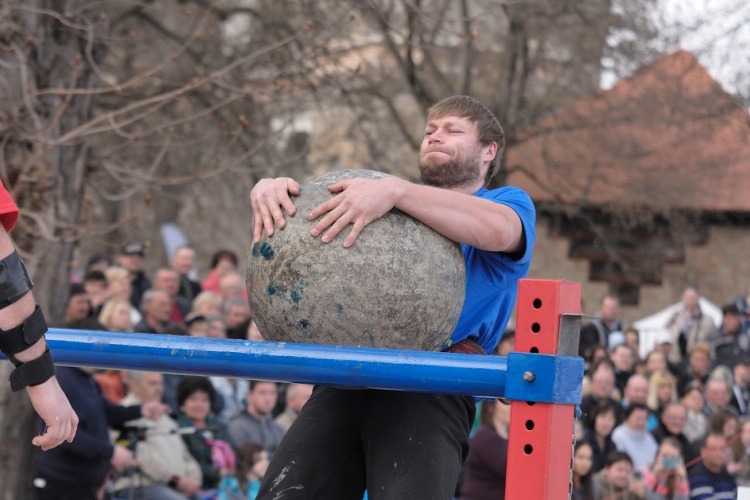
point(15, 314)
point(460, 217)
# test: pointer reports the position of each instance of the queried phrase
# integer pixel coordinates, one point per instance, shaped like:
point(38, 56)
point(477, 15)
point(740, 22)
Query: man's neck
point(711, 468)
point(154, 323)
point(252, 411)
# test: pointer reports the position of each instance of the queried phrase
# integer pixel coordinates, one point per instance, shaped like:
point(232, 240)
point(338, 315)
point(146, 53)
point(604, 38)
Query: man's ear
point(490, 152)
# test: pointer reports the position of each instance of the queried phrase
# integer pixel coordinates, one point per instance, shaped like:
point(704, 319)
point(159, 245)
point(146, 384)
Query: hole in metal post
point(535, 350)
point(531, 403)
point(528, 449)
point(537, 303)
point(535, 327)
point(530, 425)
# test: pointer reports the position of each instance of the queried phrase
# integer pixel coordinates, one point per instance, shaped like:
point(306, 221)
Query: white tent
point(651, 326)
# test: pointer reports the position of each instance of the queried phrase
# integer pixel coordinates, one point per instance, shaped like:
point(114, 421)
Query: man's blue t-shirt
point(492, 277)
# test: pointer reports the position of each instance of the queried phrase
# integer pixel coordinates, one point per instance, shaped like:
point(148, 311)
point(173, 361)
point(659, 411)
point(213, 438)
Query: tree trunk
point(45, 178)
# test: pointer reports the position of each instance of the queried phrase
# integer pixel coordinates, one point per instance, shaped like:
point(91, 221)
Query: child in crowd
point(251, 465)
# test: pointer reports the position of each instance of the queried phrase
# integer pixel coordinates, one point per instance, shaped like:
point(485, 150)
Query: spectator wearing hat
point(78, 306)
point(741, 386)
point(733, 340)
point(663, 343)
point(131, 258)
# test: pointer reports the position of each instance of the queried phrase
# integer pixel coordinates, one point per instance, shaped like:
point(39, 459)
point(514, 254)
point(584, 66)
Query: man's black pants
point(398, 445)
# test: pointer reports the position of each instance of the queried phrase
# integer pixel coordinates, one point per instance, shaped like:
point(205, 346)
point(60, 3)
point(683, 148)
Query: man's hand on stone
point(267, 198)
point(360, 202)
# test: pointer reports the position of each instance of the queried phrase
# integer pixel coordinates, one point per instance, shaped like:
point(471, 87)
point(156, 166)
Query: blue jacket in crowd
point(86, 460)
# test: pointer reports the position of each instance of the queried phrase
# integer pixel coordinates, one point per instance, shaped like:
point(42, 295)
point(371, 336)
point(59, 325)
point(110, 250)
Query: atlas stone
point(401, 285)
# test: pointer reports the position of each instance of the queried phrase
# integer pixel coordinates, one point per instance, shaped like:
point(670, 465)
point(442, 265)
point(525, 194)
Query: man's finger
point(267, 220)
point(327, 221)
point(289, 207)
point(339, 186)
point(341, 222)
point(277, 215)
point(324, 207)
point(359, 225)
point(293, 187)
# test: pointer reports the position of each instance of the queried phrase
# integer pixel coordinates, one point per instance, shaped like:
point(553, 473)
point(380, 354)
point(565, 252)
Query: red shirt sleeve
point(8, 209)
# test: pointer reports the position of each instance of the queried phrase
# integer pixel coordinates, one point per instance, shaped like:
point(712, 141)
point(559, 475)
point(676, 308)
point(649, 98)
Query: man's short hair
point(704, 441)
point(633, 407)
point(617, 456)
point(488, 128)
point(95, 276)
point(227, 305)
point(602, 362)
point(611, 296)
point(730, 309)
point(701, 347)
point(76, 289)
point(254, 383)
point(148, 296)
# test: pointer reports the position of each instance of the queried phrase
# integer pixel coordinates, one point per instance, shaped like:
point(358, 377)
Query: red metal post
point(541, 435)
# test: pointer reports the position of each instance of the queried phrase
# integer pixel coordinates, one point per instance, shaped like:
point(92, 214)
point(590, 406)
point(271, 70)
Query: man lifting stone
point(399, 444)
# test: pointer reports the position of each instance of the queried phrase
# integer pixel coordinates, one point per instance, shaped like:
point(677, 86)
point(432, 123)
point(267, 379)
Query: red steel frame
point(541, 435)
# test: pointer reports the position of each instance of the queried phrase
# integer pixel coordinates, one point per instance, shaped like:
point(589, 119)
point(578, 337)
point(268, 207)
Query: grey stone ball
point(400, 285)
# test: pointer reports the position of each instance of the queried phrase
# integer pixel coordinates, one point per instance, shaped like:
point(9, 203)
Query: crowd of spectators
point(672, 425)
point(150, 436)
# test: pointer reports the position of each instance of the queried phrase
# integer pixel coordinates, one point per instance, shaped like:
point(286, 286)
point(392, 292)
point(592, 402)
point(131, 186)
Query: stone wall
point(721, 269)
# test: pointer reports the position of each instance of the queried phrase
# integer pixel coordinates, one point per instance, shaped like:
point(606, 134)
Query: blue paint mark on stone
point(296, 296)
point(339, 308)
point(371, 337)
point(265, 250)
point(271, 290)
point(304, 323)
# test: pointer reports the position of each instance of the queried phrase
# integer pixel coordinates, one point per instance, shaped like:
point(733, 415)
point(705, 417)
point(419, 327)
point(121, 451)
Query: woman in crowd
point(599, 437)
point(222, 263)
point(728, 425)
point(252, 462)
point(656, 361)
point(743, 471)
point(488, 456)
point(662, 390)
point(692, 399)
point(206, 303)
point(583, 486)
point(120, 286)
point(210, 444)
point(115, 317)
point(667, 478)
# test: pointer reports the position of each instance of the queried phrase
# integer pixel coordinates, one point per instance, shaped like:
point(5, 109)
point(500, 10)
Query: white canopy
point(652, 326)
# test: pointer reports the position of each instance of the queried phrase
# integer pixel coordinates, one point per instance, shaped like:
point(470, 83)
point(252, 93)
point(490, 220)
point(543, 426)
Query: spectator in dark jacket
point(488, 456)
point(74, 471)
point(183, 261)
point(606, 322)
point(671, 424)
point(131, 258)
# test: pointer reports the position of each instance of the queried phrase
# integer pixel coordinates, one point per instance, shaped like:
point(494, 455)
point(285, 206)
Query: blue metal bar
point(355, 367)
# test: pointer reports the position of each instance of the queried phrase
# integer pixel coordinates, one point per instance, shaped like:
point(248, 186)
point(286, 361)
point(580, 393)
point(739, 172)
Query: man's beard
point(456, 172)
